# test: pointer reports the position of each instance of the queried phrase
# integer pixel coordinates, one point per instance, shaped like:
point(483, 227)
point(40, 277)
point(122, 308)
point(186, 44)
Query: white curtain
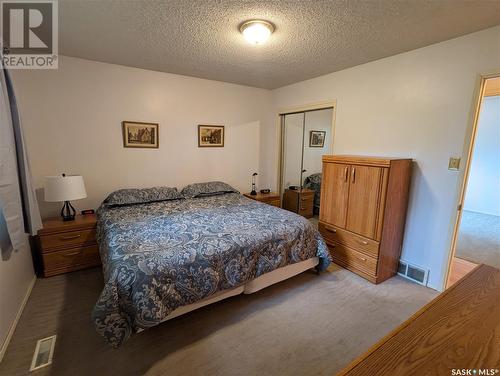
point(18, 203)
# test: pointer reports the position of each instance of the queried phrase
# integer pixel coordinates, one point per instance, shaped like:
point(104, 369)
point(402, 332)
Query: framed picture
point(210, 136)
point(140, 135)
point(317, 139)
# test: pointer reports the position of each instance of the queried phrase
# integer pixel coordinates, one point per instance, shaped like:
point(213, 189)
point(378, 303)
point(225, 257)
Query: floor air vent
point(415, 273)
point(43, 353)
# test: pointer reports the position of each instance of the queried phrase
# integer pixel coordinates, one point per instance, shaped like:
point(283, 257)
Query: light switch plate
point(454, 164)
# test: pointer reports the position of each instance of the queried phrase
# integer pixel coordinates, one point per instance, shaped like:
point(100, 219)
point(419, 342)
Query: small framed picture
point(317, 139)
point(140, 135)
point(210, 136)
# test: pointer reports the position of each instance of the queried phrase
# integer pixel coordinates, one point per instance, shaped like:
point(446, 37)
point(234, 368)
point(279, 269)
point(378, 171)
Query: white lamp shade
point(64, 188)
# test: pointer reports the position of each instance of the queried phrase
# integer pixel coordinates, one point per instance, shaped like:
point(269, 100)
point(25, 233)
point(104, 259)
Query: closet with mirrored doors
point(305, 137)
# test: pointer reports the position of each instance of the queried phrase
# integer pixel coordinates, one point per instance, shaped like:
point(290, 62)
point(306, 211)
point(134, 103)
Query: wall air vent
point(44, 351)
point(413, 272)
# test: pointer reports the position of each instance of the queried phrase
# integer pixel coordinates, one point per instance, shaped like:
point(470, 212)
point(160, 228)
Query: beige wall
point(72, 121)
point(416, 104)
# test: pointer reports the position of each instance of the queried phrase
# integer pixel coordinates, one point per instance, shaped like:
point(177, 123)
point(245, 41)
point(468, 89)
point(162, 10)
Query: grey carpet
point(479, 238)
point(306, 325)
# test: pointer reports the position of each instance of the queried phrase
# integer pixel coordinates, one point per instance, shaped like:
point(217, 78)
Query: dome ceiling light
point(256, 31)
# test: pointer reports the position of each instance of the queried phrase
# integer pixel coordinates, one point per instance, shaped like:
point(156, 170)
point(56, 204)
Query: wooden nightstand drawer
point(306, 201)
point(70, 259)
point(67, 239)
point(276, 202)
point(307, 196)
point(300, 201)
point(359, 243)
point(306, 209)
point(64, 246)
point(267, 198)
point(351, 258)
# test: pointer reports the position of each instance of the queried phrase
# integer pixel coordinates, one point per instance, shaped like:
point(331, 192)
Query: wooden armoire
point(363, 211)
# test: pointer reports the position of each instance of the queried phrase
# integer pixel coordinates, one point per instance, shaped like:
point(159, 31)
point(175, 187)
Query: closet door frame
point(280, 117)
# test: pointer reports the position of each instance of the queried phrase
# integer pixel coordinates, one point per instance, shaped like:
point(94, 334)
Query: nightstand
point(300, 201)
point(67, 246)
point(270, 198)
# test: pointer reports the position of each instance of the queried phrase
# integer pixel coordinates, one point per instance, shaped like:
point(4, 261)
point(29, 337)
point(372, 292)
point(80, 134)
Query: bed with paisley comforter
point(162, 250)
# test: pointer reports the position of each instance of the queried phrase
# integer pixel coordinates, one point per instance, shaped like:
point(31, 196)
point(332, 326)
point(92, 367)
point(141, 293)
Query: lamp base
point(68, 212)
point(254, 192)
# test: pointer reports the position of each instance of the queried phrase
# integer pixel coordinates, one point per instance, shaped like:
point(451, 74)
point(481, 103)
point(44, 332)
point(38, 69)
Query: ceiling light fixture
point(256, 31)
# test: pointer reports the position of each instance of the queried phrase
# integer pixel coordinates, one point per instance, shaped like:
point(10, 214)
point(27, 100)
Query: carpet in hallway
point(479, 238)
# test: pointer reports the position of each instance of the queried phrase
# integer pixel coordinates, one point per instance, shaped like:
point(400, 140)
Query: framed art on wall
point(140, 135)
point(317, 139)
point(210, 136)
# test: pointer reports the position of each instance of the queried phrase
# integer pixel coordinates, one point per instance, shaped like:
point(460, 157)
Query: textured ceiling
point(312, 38)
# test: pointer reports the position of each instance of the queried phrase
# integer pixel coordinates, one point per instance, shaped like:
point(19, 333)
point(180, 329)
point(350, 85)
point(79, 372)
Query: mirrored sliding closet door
point(306, 136)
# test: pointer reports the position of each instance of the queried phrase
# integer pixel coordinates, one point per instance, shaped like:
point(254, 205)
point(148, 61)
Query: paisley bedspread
point(164, 255)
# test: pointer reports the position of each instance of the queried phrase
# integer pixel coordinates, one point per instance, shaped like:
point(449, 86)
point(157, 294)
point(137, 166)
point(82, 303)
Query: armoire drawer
point(359, 243)
point(349, 257)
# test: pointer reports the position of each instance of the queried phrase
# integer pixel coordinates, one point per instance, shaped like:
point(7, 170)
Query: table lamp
point(64, 188)
point(254, 192)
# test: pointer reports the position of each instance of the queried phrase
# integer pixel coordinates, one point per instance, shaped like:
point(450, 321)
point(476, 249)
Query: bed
point(166, 254)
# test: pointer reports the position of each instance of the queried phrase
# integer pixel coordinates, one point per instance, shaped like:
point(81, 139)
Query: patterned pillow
point(207, 189)
point(141, 196)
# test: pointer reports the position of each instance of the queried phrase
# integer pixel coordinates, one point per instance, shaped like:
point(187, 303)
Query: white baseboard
point(5, 344)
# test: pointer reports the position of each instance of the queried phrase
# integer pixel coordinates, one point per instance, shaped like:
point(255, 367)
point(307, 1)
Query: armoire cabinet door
point(364, 187)
point(334, 194)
